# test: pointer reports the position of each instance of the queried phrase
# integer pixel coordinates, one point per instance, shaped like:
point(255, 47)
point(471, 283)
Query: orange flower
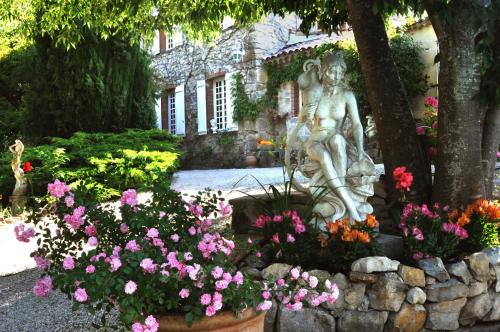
point(322, 240)
point(463, 220)
point(333, 227)
point(349, 236)
point(363, 237)
point(264, 142)
point(371, 221)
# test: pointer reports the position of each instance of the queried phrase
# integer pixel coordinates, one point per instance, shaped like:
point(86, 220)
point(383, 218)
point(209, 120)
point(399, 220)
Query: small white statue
point(341, 173)
point(21, 184)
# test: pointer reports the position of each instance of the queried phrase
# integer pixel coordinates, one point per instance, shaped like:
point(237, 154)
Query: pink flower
point(152, 233)
point(43, 286)
point(175, 237)
point(115, 263)
point(90, 269)
point(23, 235)
point(124, 228)
point(129, 197)
point(263, 306)
point(151, 324)
point(420, 131)
point(210, 311)
point(217, 272)
point(57, 189)
point(132, 246)
point(277, 218)
point(205, 299)
point(301, 294)
point(498, 154)
point(91, 230)
point(294, 307)
point(280, 282)
point(305, 275)
point(417, 233)
point(41, 262)
point(148, 265)
point(68, 263)
point(69, 201)
point(75, 220)
point(461, 232)
point(225, 209)
point(158, 242)
point(431, 101)
point(192, 231)
point(258, 254)
point(290, 238)
point(418, 255)
point(81, 295)
point(184, 293)
point(238, 278)
point(221, 284)
point(275, 238)
point(300, 228)
point(137, 327)
point(162, 214)
point(266, 295)
point(313, 281)
point(334, 294)
point(92, 242)
point(294, 273)
point(130, 287)
point(404, 181)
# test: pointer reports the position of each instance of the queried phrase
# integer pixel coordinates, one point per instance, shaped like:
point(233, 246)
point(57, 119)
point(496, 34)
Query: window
point(171, 112)
point(220, 103)
point(170, 43)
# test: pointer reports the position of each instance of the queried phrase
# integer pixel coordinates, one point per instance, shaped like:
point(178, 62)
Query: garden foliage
point(102, 86)
point(106, 162)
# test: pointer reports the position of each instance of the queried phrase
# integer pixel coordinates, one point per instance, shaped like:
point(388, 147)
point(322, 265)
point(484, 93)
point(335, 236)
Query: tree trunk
point(395, 124)
point(491, 126)
point(459, 173)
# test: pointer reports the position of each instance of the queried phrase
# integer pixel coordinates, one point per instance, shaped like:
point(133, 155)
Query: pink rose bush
point(101, 258)
point(428, 126)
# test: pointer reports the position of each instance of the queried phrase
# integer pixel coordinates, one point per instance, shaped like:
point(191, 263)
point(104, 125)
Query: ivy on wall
point(243, 107)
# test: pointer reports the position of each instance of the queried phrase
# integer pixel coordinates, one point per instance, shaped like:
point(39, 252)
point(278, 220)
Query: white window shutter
point(155, 48)
point(231, 124)
point(180, 119)
point(201, 103)
point(158, 111)
point(177, 37)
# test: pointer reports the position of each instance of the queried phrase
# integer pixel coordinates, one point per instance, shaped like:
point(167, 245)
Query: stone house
point(196, 80)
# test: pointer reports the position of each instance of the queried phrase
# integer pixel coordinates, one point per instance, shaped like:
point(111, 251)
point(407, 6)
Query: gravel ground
point(21, 311)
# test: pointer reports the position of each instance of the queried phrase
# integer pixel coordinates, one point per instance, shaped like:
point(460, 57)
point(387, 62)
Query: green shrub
point(106, 162)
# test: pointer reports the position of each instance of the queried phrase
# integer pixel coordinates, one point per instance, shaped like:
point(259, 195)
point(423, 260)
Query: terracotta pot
point(226, 321)
point(251, 161)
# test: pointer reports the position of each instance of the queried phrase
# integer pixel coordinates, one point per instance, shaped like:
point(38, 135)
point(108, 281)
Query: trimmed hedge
point(105, 162)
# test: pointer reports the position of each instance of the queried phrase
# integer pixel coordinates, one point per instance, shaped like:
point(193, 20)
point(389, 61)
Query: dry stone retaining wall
point(380, 294)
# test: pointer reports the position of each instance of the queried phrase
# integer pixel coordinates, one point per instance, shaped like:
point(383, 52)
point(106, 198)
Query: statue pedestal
point(17, 204)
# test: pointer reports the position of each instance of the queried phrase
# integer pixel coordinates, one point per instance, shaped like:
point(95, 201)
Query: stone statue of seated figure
point(341, 173)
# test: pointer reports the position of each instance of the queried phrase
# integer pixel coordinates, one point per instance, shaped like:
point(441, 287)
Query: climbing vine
point(404, 49)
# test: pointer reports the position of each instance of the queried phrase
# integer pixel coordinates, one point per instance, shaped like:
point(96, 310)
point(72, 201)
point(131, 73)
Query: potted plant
point(159, 262)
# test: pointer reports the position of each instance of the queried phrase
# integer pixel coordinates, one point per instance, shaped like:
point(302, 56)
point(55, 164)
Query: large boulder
point(352, 320)
point(479, 266)
point(305, 320)
point(276, 271)
point(477, 287)
point(460, 271)
point(494, 314)
point(412, 276)
point(388, 293)
point(475, 309)
point(411, 318)
point(446, 291)
point(444, 315)
point(374, 264)
point(416, 296)
point(434, 267)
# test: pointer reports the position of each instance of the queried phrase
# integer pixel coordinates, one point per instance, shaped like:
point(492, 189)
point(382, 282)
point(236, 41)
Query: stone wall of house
point(380, 294)
point(189, 62)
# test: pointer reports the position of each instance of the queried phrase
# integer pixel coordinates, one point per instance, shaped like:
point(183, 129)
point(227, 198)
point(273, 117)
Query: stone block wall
point(191, 61)
point(380, 294)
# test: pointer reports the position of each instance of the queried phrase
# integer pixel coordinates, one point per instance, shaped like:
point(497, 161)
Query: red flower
point(398, 171)
point(403, 178)
point(27, 167)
